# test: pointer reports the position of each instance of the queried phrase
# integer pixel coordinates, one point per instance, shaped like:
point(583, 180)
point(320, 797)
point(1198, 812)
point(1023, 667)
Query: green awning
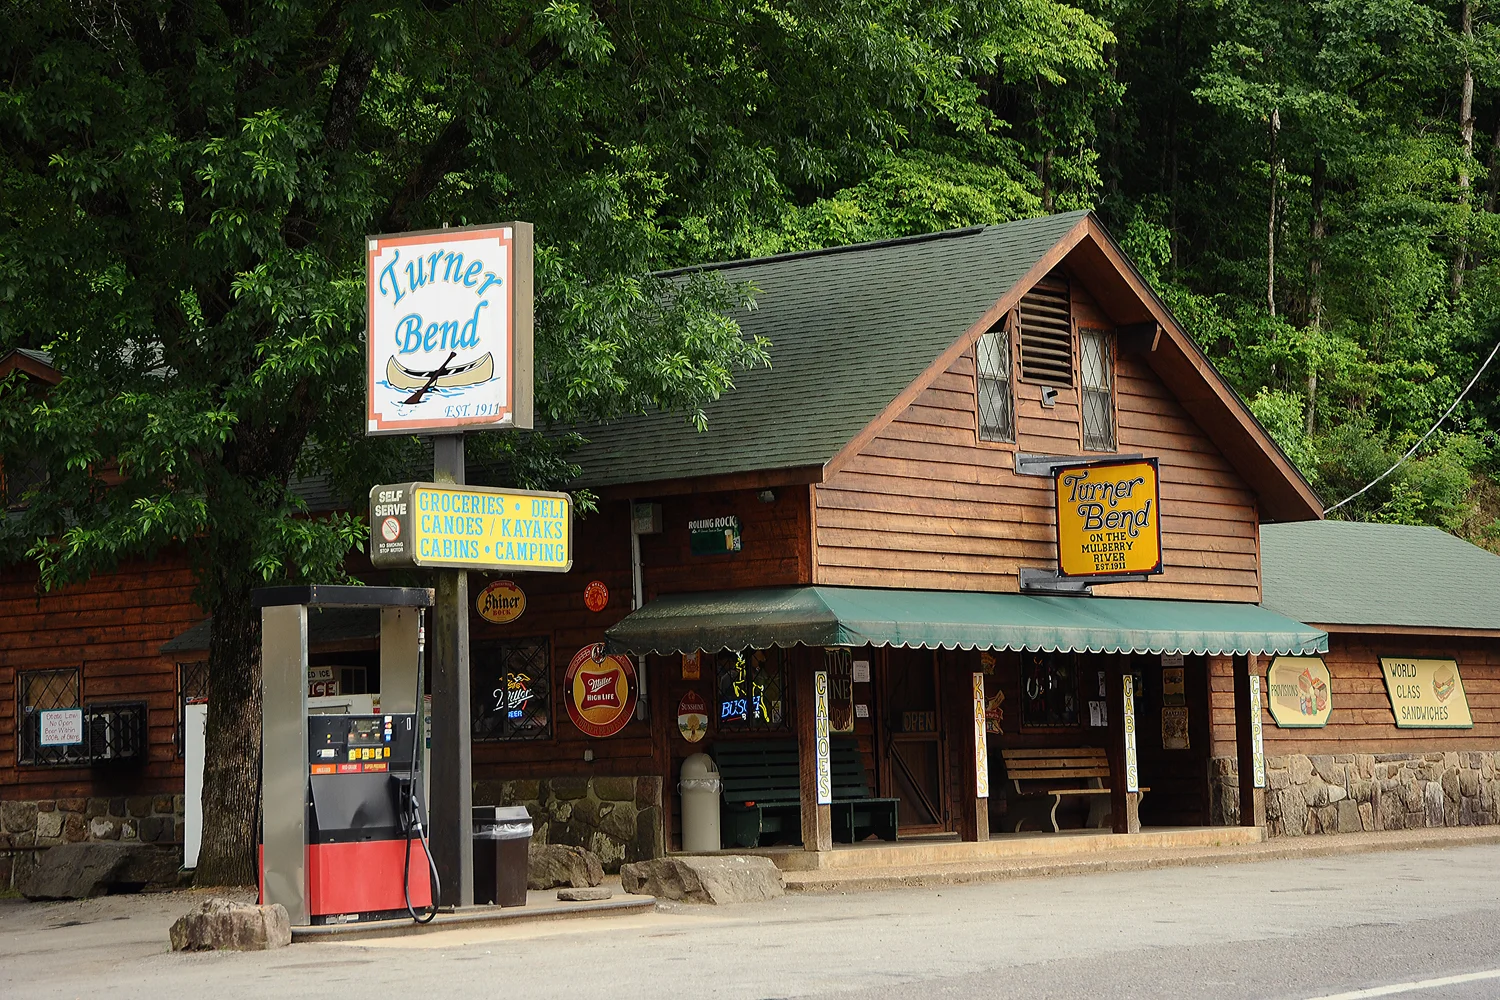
point(931, 619)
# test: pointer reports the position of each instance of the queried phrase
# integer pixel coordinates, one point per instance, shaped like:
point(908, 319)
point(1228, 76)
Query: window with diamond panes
point(752, 686)
point(39, 691)
point(511, 685)
point(1097, 369)
point(192, 689)
point(997, 416)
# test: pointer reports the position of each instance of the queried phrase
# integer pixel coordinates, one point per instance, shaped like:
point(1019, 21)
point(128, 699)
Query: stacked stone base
point(1351, 793)
point(27, 826)
point(618, 818)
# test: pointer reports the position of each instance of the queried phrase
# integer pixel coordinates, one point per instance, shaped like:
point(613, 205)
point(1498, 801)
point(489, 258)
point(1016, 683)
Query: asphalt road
point(1357, 926)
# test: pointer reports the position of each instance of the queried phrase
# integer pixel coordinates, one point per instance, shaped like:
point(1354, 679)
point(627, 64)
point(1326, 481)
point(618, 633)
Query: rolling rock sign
point(1109, 519)
point(449, 329)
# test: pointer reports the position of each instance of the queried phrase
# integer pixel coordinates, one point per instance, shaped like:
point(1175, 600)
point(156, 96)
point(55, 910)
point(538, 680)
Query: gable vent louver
point(1047, 332)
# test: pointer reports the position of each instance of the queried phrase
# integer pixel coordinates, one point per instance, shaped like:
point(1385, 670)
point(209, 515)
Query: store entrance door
point(912, 758)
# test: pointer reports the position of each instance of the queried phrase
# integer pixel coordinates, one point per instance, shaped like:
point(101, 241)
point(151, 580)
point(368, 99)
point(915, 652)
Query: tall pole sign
point(448, 342)
point(449, 334)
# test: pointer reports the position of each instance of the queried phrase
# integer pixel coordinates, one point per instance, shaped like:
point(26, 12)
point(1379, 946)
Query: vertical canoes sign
point(449, 330)
point(825, 755)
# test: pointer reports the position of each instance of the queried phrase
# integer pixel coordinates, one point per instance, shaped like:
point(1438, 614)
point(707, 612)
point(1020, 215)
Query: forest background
point(185, 188)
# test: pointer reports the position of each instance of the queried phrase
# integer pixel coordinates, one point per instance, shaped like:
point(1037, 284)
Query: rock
point(49, 825)
point(1433, 799)
point(224, 925)
point(585, 894)
point(1350, 819)
point(82, 871)
point(1302, 768)
point(720, 879)
point(615, 789)
point(551, 865)
point(18, 817)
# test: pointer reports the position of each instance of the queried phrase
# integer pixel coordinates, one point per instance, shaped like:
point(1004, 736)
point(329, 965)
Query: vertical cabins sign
point(1108, 519)
point(448, 335)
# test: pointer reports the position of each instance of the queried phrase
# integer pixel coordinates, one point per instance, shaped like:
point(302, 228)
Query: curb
point(963, 874)
point(485, 918)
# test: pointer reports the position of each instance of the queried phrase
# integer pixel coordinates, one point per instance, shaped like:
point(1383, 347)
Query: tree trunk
point(231, 764)
point(1271, 225)
point(1174, 145)
point(1493, 198)
point(1466, 142)
point(1317, 230)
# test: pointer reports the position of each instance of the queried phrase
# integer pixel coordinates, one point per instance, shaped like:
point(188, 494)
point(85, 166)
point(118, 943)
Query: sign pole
point(451, 812)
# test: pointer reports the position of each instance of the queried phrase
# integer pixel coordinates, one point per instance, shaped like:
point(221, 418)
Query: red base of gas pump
point(362, 880)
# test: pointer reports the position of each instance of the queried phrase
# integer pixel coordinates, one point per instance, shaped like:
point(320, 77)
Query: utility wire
point(1413, 449)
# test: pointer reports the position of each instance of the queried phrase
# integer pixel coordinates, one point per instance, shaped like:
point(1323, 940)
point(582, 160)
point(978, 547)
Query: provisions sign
point(449, 327)
point(470, 527)
point(1108, 519)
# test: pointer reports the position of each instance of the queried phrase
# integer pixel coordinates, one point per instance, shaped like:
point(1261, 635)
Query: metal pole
point(452, 760)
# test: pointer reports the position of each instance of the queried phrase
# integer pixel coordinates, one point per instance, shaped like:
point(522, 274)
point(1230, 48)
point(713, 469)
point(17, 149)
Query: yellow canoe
point(472, 373)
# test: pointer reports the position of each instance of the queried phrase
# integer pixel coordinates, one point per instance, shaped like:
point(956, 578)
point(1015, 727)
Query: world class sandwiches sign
point(449, 329)
point(1108, 519)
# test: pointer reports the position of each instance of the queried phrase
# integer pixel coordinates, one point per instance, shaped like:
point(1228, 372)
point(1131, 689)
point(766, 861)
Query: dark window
point(1047, 332)
point(1097, 370)
point(39, 691)
point(511, 685)
point(997, 421)
point(192, 689)
point(752, 690)
point(1049, 689)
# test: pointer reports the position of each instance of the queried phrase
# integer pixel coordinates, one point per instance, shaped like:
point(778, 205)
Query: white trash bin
point(699, 785)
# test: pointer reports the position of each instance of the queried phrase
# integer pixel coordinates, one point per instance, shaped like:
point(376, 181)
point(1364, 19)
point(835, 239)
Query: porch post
point(1250, 754)
point(817, 820)
point(975, 812)
point(1124, 804)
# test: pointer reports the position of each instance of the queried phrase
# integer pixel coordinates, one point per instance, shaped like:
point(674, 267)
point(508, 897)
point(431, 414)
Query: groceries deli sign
point(449, 330)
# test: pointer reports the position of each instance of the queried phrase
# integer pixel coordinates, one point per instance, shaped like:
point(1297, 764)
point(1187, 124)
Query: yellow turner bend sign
point(1108, 519)
point(470, 527)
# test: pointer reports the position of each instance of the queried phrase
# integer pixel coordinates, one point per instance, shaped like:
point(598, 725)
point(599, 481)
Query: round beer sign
point(500, 602)
point(601, 691)
point(596, 596)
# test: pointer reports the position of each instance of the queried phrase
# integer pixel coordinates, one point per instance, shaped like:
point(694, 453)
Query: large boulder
point(718, 879)
point(551, 865)
point(224, 925)
point(82, 871)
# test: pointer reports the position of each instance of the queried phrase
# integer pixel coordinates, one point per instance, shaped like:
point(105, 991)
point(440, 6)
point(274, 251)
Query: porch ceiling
point(931, 619)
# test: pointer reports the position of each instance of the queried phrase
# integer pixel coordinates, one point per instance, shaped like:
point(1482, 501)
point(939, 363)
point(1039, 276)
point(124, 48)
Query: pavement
point(1422, 922)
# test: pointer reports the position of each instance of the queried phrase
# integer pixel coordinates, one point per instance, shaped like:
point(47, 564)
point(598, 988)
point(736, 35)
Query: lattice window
point(511, 685)
point(1097, 368)
point(37, 692)
point(752, 690)
point(997, 415)
point(192, 689)
point(1047, 332)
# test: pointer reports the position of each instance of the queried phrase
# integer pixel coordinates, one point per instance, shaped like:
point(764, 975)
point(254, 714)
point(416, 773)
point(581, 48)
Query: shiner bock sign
point(448, 340)
point(1108, 519)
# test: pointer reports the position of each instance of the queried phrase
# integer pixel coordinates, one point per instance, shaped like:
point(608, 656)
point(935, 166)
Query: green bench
point(762, 797)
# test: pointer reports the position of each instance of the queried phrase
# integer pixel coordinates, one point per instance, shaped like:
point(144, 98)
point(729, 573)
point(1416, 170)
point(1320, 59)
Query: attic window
point(1047, 332)
point(997, 420)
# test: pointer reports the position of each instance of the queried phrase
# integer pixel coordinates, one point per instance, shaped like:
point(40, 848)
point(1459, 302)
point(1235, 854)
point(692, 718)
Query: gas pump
point(343, 810)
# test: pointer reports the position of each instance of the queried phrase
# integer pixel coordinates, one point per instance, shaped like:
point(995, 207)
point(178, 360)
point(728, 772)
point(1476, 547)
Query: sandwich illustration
point(1443, 682)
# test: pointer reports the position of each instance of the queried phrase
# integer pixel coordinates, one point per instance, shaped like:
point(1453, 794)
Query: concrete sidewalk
point(860, 879)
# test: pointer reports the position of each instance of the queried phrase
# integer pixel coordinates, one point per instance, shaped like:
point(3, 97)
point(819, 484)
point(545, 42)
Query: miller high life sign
point(601, 691)
point(449, 329)
point(1108, 519)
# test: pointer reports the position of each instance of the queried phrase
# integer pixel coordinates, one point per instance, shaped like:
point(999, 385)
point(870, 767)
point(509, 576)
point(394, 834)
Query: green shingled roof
point(850, 329)
point(1351, 573)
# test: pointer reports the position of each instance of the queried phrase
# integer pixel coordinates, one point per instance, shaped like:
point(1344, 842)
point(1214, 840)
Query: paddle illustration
point(432, 378)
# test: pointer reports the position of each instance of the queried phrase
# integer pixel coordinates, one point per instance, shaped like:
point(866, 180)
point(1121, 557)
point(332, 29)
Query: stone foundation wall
point(27, 826)
point(1349, 793)
point(619, 819)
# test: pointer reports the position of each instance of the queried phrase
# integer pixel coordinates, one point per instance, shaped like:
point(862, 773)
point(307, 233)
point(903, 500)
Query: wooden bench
point(762, 797)
point(1052, 767)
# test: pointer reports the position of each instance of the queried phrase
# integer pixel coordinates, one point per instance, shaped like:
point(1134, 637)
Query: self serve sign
point(470, 527)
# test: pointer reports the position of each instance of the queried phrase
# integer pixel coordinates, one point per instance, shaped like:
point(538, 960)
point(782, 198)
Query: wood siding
point(927, 505)
point(111, 630)
point(1362, 720)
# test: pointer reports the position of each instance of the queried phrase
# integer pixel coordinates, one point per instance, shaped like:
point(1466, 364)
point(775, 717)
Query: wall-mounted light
point(1049, 396)
point(766, 496)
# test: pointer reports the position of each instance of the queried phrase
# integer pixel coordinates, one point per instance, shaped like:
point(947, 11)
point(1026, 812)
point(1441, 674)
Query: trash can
point(699, 785)
point(502, 839)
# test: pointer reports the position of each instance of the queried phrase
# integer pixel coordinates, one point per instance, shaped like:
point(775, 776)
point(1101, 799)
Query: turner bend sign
point(1108, 519)
point(449, 330)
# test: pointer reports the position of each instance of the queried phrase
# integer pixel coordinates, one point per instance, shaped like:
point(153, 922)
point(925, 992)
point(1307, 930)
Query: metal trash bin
point(700, 786)
point(502, 840)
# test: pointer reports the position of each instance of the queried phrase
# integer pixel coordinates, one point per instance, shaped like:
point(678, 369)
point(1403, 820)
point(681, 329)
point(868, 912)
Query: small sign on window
point(61, 727)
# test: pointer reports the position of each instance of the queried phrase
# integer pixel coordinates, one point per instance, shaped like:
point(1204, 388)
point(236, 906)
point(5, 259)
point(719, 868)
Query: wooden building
point(864, 509)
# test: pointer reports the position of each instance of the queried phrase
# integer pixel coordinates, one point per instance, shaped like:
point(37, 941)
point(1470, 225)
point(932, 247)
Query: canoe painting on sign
point(449, 329)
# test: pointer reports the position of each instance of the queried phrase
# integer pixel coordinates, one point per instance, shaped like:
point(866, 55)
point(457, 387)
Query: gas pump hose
point(411, 807)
